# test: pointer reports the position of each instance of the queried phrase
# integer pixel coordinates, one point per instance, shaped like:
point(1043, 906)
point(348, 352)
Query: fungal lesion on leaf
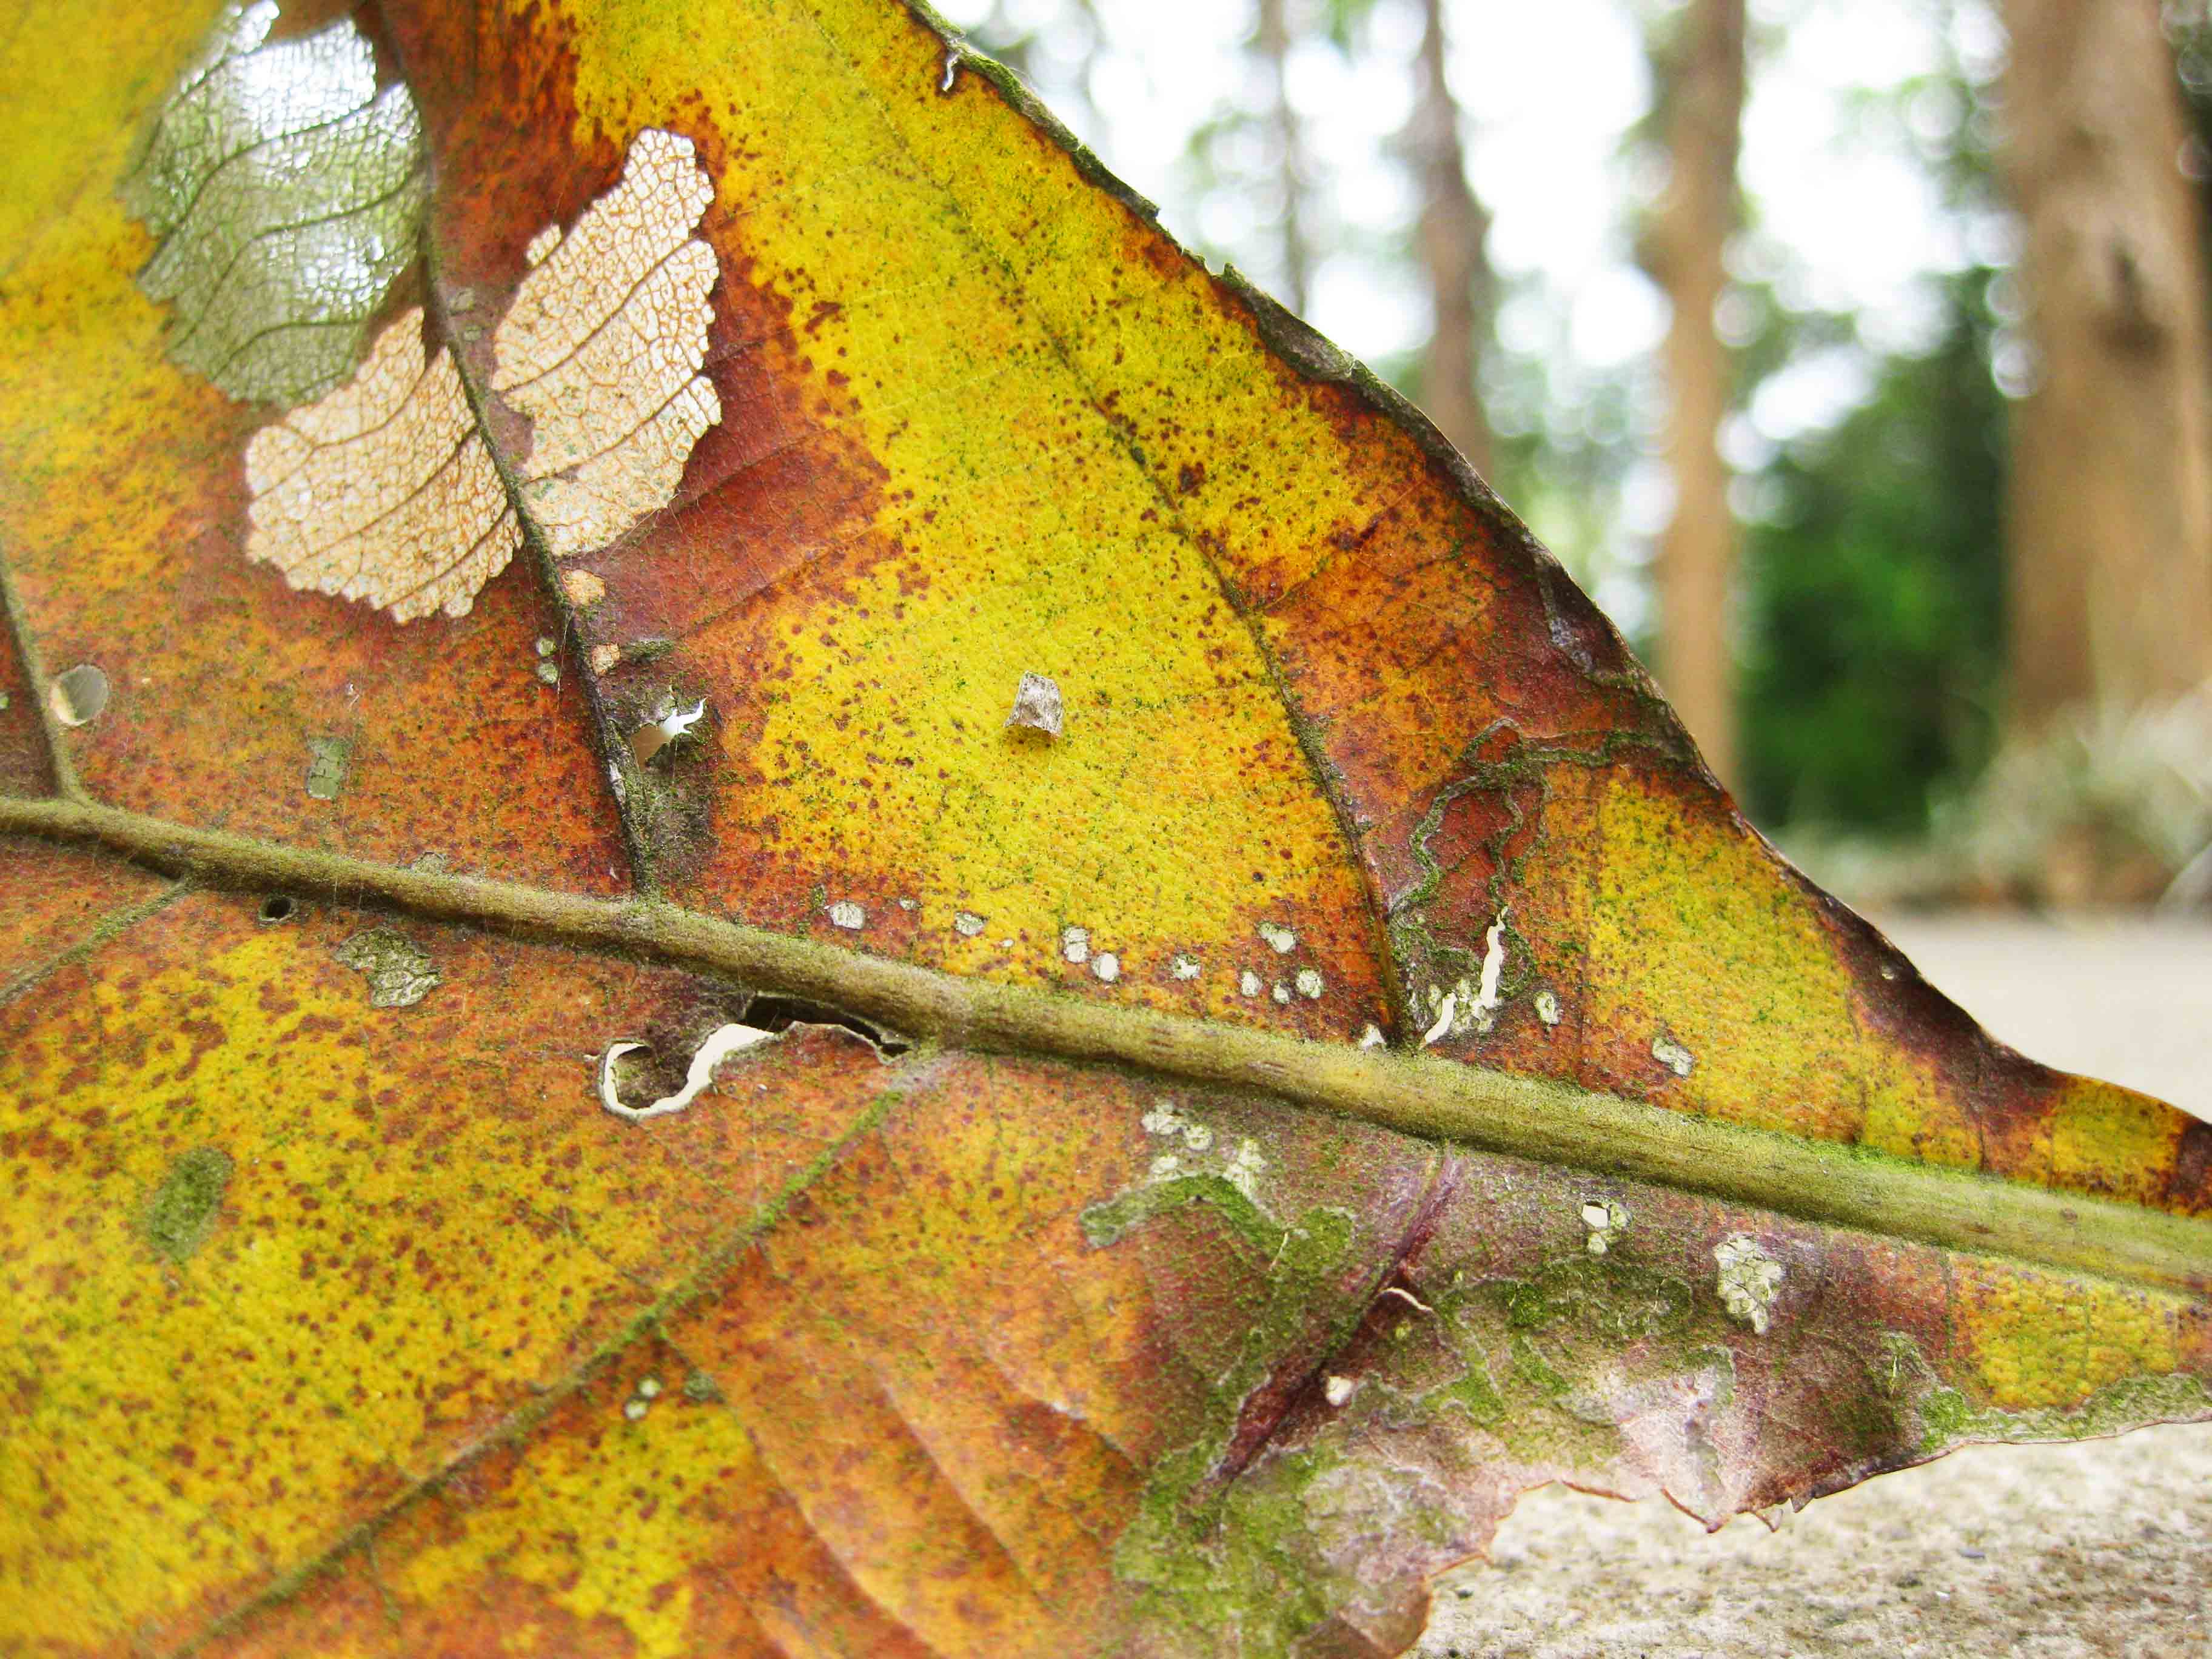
point(1748, 1279)
point(330, 759)
point(1038, 712)
point(1671, 1053)
point(78, 696)
point(399, 972)
point(1606, 1219)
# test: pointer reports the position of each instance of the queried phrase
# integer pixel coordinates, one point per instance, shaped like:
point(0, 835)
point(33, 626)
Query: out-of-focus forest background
point(1852, 353)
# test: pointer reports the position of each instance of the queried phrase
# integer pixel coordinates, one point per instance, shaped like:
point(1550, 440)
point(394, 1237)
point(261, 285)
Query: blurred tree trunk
point(1700, 108)
point(1273, 37)
point(1453, 227)
point(2109, 508)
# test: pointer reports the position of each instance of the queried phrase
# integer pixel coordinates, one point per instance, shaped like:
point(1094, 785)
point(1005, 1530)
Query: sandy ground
point(2044, 1551)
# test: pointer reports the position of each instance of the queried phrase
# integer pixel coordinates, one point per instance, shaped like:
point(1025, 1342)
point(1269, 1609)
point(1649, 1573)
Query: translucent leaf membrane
point(286, 194)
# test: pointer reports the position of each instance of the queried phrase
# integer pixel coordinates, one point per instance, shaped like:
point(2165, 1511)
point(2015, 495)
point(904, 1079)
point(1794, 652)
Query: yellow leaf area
point(864, 693)
point(123, 496)
point(272, 1255)
point(850, 1356)
point(1697, 970)
point(1399, 625)
point(2027, 1347)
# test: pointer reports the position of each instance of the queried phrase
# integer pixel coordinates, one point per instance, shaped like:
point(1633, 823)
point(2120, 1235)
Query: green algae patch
point(182, 1214)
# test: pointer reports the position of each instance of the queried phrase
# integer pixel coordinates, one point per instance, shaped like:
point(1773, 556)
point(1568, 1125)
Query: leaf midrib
point(1550, 1123)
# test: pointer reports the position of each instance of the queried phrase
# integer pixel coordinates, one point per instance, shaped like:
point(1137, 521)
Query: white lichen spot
point(1310, 984)
point(77, 695)
point(615, 782)
point(1162, 1120)
point(665, 728)
point(1281, 993)
point(1280, 940)
point(968, 924)
point(1198, 1137)
point(1487, 999)
point(1107, 966)
point(582, 589)
point(649, 1388)
point(1444, 1005)
point(1166, 1167)
point(1547, 1007)
point(605, 656)
point(1184, 966)
point(1749, 1280)
point(1673, 1055)
point(1244, 1166)
point(1370, 1036)
point(906, 904)
point(721, 1042)
point(1607, 1220)
point(1337, 1389)
point(601, 351)
point(1037, 705)
point(1075, 944)
point(1249, 982)
point(549, 672)
point(634, 1410)
point(547, 645)
point(848, 915)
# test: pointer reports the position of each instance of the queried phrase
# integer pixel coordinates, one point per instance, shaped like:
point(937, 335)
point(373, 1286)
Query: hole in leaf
point(278, 907)
point(776, 1014)
point(77, 696)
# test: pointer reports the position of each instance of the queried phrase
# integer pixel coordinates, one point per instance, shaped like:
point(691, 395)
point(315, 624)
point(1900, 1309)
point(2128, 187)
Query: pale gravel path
point(2101, 1551)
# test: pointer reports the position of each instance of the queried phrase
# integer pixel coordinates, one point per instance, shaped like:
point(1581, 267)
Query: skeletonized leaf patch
point(602, 346)
point(384, 491)
point(288, 194)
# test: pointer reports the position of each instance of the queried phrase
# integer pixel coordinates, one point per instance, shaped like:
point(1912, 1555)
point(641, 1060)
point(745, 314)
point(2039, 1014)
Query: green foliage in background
point(1873, 589)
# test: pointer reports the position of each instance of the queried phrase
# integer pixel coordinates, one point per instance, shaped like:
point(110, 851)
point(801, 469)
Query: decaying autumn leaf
point(1209, 1151)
